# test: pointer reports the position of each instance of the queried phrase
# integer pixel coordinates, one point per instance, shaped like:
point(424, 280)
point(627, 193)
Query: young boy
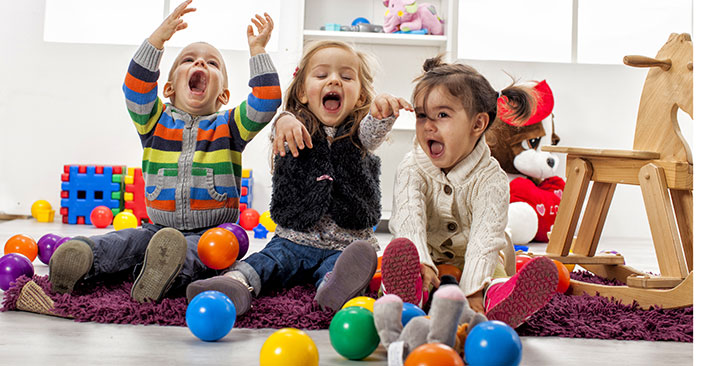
point(191, 162)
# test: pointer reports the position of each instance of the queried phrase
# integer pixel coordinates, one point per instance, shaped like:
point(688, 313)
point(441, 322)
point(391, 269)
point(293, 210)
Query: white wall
point(63, 104)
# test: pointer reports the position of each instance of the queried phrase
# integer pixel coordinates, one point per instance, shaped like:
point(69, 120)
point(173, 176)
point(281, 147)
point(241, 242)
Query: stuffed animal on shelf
point(536, 190)
point(408, 15)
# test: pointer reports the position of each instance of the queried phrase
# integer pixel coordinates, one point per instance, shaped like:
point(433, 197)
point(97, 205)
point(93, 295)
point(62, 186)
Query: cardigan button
point(448, 189)
point(452, 226)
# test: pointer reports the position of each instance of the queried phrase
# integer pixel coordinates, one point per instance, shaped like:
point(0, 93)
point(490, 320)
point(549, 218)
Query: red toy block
point(138, 203)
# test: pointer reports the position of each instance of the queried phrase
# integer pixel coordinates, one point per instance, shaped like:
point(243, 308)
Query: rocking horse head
point(668, 86)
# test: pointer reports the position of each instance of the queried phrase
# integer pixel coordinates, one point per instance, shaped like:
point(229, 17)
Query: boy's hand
point(476, 301)
point(264, 27)
point(172, 24)
point(429, 278)
point(384, 105)
point(290, 130)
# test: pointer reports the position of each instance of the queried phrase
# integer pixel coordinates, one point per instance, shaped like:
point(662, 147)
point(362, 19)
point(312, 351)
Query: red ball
point(434, 354)
point(249, 219)
point(563, 274)
point(101, 216)
point(218, 248)
point(22, 244)
point(521, 260)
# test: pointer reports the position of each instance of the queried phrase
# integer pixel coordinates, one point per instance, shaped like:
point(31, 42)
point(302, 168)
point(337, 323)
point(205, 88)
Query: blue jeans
point(123, 251)
point(283, 263)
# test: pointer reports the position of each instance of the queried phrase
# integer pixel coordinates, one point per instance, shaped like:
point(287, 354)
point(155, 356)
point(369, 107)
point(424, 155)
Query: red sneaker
point(400, 271)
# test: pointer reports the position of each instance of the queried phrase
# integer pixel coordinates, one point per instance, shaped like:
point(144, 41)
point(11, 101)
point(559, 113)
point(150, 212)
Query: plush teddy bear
point(408, 15)
point(536, 190)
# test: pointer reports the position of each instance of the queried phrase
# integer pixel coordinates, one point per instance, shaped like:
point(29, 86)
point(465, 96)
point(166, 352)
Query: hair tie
point(295, 72)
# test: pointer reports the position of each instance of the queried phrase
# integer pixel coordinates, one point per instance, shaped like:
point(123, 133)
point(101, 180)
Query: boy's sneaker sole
point(70, 262)
point(400, 270)
point(163, 260)
point(535, 285)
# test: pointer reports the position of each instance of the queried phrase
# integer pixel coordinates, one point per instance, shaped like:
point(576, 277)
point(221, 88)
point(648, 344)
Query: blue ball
point(360, 20)
point(410, 311)
point(493, 343)
point(210, 315)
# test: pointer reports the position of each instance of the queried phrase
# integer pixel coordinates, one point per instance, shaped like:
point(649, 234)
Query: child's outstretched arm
point(140, 85)
point(382, 115)
point(290, 132)
point(248, 118)
point(172, 24)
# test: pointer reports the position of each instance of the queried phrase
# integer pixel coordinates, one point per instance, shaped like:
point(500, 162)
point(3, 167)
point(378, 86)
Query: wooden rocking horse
point(661, 163)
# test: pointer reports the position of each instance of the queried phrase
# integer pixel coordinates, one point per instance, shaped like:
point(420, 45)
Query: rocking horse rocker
point(661, 163)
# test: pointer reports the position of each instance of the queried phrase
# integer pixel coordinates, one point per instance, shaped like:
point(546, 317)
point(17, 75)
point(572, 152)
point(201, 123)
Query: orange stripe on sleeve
point(267, 92)
point(137, 85)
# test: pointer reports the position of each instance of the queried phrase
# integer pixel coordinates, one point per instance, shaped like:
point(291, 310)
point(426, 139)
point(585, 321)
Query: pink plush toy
point(408, 15)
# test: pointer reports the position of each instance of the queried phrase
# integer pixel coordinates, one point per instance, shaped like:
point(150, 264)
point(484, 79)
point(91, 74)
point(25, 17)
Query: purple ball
point(241, 235)
point(12, 266)
point(47, 245)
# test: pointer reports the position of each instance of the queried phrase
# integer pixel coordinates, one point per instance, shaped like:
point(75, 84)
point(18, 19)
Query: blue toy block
point(246, 199)
point(247, 182)
point(83, 192)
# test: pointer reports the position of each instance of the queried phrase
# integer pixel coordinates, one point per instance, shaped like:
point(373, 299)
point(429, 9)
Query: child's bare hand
point(384, 105)
point(476, 301)
point(429, 278)
point(258, 43)
point(172, 24)
point(291, 131)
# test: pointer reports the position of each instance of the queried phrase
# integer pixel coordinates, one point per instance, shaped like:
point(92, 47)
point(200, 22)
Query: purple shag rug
point(565, 316)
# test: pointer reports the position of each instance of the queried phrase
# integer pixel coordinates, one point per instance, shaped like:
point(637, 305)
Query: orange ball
point(521, 260)
point(218, 248)
point(22, 244)
point(563, 277)
point(433, 354)
point(449, 269)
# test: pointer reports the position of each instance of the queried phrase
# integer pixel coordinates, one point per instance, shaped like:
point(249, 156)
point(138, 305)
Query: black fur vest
point(337, 179)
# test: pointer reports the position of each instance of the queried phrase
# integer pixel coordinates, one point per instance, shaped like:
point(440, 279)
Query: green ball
point(353, 334)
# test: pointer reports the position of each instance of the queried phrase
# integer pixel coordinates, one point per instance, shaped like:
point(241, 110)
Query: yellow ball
point(39, 206)
point(125, 220)
point(267, 222)
point(362, 301)
point(289, 346)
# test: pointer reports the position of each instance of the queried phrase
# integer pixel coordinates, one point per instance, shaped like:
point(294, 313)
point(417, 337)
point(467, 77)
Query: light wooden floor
point(32, 339)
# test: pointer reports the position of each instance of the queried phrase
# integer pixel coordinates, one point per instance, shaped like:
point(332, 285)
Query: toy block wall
point(84, 187)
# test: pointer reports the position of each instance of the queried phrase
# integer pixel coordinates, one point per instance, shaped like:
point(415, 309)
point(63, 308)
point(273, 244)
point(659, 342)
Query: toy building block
point(246, 192)
point(84, 187)
point(134, 198)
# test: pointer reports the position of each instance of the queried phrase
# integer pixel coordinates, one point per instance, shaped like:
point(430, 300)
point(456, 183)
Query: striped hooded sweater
point(192, 165)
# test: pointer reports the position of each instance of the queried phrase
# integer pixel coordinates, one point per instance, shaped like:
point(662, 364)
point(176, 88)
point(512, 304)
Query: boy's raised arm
point(172, 24)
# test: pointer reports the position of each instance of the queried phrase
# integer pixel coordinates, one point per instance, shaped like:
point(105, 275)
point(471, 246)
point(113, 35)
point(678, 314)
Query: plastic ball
point(563, 275)
point(210, 315)
point(249, 219)
point(521, 260)
point(409, 312)
point(360, 20)
point(12, 266)
point(361, 301)
point(493, 343)
point(242, 237)
point(449, 269)
point(353, 334)
point(101, 216)
point(39, 206)
point(47, 245)
point(125, 220)
point(432, 354)
point(22, 244)
point(289, 346)
point(218, 248)
point(265, 219)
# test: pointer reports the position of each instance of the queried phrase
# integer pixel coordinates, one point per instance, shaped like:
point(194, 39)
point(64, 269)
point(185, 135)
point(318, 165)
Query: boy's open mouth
point(436, 148)
point(198, 82)
point(332, 102)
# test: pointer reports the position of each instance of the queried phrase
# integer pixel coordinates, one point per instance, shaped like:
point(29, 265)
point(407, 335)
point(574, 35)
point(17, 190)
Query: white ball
point(522, 223)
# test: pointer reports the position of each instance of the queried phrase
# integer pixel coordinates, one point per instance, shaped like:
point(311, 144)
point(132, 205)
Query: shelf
point(377, 38)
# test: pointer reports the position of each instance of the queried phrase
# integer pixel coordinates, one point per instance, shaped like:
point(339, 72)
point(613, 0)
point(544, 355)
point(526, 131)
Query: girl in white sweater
point(451, 198)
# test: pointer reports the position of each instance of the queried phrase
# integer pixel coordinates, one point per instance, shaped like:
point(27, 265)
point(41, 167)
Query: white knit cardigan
point(457, 218)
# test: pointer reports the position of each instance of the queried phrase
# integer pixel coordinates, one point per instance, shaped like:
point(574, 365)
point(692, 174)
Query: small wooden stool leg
point(593, 218)
point(579, 173)
point(683, 203)
point(663, 227)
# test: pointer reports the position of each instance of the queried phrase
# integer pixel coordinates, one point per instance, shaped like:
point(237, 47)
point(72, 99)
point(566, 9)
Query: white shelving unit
point(400, 56)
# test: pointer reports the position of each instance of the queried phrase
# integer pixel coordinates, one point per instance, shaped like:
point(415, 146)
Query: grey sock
point(415, 333)
point(448, 305)
point(387, 318)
